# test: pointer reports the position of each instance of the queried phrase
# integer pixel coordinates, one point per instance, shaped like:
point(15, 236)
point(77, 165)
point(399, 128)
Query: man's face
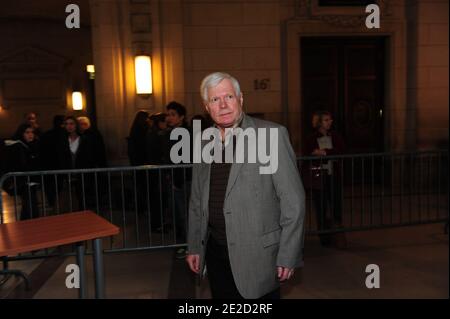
point(70, 126)
point(173, 118)
point(223, 105)
point(31, 118)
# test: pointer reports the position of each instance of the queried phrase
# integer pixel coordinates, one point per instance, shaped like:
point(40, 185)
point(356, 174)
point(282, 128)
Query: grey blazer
point(264, 216)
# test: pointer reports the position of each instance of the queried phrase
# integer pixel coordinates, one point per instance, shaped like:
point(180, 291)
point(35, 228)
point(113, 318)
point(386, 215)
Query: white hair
point(213, 80)
point(84, 118)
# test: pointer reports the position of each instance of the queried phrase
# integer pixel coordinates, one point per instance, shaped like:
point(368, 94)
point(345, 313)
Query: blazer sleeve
point(195, 214)
point(290, 191)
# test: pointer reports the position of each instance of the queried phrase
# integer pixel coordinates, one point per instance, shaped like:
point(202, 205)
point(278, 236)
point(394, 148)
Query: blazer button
point(203, 242)
point(228, 213)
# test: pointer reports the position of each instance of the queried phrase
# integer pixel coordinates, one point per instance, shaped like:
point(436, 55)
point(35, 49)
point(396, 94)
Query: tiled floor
point(413, 262)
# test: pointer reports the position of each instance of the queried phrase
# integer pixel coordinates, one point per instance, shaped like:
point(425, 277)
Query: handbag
point(314, 177)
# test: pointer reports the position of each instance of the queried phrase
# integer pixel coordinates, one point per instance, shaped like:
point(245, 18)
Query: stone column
point(168, 52)
point(109, 78)
point(113, 50)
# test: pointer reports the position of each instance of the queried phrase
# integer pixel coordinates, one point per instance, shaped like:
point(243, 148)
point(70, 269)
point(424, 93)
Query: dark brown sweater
point(217, 189)
point(220, 173)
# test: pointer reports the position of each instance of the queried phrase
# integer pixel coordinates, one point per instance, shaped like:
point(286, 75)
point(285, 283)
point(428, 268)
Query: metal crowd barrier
point(371, 191)
point(150, 203)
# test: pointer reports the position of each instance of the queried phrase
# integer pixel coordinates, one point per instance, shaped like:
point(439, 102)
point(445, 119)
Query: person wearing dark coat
point(96, 139)
point(136, 139)
point(49, 156)
point(137, 156)
point(31, 119)
point(23, 156)
point(154, 156)
point(178, 180)
point(323, 177)
point(155, 139)
point(75, 151)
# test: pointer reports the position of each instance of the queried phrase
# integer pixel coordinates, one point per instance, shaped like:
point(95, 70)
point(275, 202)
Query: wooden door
point(346, 77)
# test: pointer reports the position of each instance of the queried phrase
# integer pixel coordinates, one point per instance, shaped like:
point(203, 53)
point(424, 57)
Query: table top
point(47, 232)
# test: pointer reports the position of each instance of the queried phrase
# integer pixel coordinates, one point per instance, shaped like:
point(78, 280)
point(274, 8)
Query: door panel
point(346, 77)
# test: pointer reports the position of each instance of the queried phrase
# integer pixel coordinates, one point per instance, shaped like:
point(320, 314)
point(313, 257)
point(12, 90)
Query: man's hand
point(193, 262)
point(284, 273)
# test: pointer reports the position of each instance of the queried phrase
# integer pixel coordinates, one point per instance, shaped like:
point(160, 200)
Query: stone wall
point(431, 87)
point(257, 41)
point(41, 61)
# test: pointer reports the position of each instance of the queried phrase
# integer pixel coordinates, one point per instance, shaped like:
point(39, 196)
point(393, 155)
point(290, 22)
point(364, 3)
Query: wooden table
point(70, 228)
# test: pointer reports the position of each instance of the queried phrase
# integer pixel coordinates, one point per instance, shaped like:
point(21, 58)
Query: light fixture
point(77, 101)
point(143, 74)
point(90, 68)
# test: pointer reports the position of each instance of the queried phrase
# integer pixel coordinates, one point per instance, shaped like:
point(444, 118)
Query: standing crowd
point(149, 143)
point(72, 143)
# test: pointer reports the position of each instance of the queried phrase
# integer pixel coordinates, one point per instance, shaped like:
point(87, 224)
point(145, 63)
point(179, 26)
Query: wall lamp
point(90, 68)
point(77, 101)
point(143, 74)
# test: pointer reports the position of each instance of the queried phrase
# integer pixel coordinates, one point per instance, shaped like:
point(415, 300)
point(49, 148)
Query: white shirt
point(325, 142)
point(74, 144)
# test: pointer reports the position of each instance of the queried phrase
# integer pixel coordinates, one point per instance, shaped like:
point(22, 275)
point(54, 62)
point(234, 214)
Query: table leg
point(82, 267)
point(99, 269)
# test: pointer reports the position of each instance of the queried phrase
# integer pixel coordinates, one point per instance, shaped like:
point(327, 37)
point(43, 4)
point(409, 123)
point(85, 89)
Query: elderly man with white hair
point(95, 139)
point(245, 228)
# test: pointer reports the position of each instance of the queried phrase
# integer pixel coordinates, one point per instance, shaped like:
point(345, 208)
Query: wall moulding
point(30, 76)
point(339, 16)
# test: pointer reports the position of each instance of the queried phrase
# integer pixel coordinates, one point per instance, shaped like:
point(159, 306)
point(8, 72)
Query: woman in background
point(76, 151)
point(179, 179)
point(23, 152)
point(136, 139)
point(323, 177)
point(155, 140)
point(137, 154)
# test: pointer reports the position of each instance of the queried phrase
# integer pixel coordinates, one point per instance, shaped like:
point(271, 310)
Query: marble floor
point(413, 263)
